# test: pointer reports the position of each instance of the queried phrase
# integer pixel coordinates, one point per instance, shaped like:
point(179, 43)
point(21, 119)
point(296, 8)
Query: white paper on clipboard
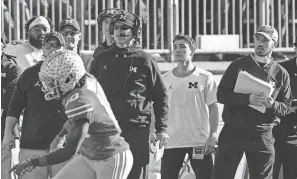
point(247, 84)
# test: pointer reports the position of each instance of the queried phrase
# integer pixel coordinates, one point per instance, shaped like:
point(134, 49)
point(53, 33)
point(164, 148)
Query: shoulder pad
point(166, 74)
point(10, 48)
point(76, 105)
point(8, 59)
point(16, 42)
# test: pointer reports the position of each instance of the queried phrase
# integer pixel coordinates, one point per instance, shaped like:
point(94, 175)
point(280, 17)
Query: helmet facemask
point(59, 73)
point(56, 88)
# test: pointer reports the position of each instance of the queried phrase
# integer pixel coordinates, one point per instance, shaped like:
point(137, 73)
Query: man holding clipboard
point(248, 130)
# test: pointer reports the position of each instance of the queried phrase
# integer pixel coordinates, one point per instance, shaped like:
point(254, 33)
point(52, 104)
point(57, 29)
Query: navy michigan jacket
point(131, 81)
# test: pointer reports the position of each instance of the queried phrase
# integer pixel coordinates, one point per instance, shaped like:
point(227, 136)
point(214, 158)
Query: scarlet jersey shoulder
point(77, 105)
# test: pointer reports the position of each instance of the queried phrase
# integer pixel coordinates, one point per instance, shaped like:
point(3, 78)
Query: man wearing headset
point(132, 81)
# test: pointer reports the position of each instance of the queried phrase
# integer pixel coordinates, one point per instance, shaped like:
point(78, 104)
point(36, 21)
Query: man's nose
point(177, 49)
point(68, 36)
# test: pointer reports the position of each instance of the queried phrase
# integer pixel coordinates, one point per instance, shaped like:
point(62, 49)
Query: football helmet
point(60, 72)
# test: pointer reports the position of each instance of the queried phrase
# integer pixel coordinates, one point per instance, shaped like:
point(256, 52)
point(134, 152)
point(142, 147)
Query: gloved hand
point(23, 167)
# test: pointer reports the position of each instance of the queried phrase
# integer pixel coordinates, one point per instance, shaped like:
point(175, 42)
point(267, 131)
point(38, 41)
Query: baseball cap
point(125, 18)
point(55, 34)
point(69, 22)
point(269, 32)
point(109, 13)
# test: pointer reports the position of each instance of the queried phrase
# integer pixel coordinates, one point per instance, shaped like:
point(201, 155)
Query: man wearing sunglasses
point(70, 30)
point(42, 120)
point(286, 133)
point(52, 42)
point(26, 53)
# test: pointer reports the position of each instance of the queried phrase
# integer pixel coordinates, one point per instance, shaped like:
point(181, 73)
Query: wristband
point(41, 161)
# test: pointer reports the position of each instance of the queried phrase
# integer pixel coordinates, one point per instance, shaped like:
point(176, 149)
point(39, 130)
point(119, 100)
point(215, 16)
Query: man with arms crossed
point(193, 114)
point(286, 133)
point(247, 130)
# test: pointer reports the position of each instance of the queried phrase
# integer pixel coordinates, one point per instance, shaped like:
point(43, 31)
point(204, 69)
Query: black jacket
point(287, 129)
point(131, 81)
point(236, 111)
point(10, 73)
point(102, 47)
point(42, 119)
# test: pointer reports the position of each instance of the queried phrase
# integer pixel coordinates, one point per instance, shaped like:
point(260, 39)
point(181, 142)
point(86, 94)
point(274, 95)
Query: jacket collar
point(125, 50)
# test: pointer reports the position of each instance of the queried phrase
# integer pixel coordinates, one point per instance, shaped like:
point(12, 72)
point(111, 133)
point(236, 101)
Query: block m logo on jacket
point(193, 85)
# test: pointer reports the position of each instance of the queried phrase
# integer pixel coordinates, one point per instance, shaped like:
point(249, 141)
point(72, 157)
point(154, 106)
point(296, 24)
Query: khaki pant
point(9, 158)
point(5, 163)
point(117, 167)
point(39, 172)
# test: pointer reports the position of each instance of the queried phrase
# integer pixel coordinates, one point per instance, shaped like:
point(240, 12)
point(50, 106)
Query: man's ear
point(275, 44)
point(193, 52)
point(28, 33)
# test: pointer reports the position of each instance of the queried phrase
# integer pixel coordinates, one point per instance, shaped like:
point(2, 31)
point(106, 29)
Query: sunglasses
point(72, 33)
point(48, 46)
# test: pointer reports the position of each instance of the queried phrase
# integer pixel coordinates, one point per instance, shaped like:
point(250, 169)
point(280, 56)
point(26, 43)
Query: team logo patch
point(272, 83)
point(72, 98)
point(122, 17)
point(38, 83)
point(193, 85)
point(133, 69)
point(109, 12)
point(68, 22)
